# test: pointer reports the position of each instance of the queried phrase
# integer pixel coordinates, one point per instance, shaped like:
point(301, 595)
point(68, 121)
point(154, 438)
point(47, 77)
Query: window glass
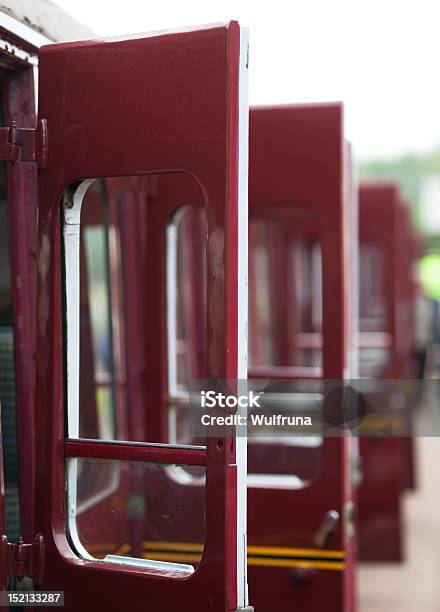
point(285, 296)
point(306, 280)
point(146, 515)
point(274, 457)
point(186, 316)
point(372, 304)
point(120, 252)
point(374, 337)
point(102, 367)
point(121, 291)
point(285, 332)
point(262, 327)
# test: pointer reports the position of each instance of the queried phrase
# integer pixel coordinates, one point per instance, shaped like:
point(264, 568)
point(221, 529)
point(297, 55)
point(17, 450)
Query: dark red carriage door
point(164, 103)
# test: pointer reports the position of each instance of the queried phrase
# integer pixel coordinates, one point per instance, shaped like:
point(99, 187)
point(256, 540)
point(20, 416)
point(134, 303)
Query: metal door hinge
point(20, 559)
point(24, 144)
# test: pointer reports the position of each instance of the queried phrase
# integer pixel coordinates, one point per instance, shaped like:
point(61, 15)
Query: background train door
point(300, 490)
point(385, 345)
point(165, 108)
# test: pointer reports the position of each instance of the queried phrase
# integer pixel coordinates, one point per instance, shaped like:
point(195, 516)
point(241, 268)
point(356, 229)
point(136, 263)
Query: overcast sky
point(380, 57)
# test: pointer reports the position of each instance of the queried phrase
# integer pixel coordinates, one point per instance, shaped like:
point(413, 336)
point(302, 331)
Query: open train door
point(385, 355)
point(148, 105)
point(301, 490)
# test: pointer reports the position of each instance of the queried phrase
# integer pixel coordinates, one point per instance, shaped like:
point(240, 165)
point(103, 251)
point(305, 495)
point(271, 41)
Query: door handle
point(328, 524)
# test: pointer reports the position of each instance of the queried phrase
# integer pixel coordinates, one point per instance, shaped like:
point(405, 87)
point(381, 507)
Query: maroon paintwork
point(297, 169)
point(142, 106)
point(388, 466)
point(138, 452)
point(383, 221)
point(18, 105)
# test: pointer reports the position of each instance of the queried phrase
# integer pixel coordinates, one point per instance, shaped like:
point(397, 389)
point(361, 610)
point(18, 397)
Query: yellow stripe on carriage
point(271, 562)
point(252, 550)
point(295, 552)
point(263, 556)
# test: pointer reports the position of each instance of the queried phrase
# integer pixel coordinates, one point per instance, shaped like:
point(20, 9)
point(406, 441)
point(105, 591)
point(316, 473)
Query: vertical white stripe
point(72, 218)
point(241, 442)
point(71, 232)
point(171, 298)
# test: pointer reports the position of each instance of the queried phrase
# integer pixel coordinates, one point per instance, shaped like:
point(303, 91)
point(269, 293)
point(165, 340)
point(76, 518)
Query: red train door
point(171, 104)
point(385, 353)
point(300, 496)
point(18, 280)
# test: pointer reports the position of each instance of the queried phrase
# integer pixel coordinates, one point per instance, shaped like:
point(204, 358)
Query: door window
point(132, 509)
